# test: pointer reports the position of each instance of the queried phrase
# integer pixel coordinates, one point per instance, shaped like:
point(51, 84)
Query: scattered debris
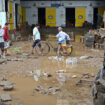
point(74, 76)
point(17, 49)
point(61, 79)
point(47, 91)
point(15, 59)
point(3, 83)
point(85, 57)
point(3, 61)
point(85, 82)
point(47, 74)
point(36, 78)
point(25, 54)
point(37, 74)
point(5, 97)
point(32, 57)
point(1, 103)
point(56, 58)
point(8, 87)
point(60, 71)
point(71, 61)
point(86, 75)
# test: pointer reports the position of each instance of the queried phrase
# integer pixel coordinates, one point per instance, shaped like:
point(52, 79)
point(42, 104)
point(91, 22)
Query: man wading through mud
point(36, 38)
point(6, 39)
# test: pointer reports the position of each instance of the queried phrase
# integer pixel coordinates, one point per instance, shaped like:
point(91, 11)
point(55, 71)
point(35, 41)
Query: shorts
point(62, 44)
point(36, 42)
point(6, 45)
point(2, 46)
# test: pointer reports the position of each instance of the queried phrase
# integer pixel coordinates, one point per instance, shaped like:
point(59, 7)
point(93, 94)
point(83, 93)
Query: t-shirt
point(62, 36)
point(6, 34)
point(36, 33)
point(1, 35)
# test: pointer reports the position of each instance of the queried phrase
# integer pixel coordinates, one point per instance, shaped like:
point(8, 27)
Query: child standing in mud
point(62, 36)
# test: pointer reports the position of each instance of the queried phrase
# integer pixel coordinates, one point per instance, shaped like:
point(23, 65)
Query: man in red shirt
point(6, 38)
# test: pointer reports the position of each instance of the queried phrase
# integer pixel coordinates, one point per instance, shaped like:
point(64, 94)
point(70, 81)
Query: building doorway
point(95, 18)
point(6, 5)
point(16, 14)
point(70, 17)
point(41, 16)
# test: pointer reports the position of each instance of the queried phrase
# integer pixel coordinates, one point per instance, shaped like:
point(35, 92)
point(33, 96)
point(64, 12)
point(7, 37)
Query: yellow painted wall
point(51, 17)
point(80, 16)
point(20, 15)
point(23, 15)
point(11, 15)
point(101, 11)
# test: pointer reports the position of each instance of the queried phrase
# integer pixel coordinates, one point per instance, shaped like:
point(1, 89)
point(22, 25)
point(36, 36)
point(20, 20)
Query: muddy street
point(41, 79)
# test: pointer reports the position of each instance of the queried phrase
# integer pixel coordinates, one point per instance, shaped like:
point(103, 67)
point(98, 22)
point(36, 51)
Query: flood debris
point(56, 58)
point(1, 103)
point(5, 97)
point(47, 74)
point(74, 76)
point(60, 71)
point(15, 59)
point(7, 85)
point(32, 57)
point(37, 74)
point(85, 57)
point(61, 79)
point(72, 61)
point(86, 75)
point(47, 91)
point(84, 82)
point(3, 61)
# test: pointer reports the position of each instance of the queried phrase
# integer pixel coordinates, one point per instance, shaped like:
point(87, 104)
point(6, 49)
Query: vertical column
point(14, 16)
point(60, 16)
point(34, 14)
point(89, 14)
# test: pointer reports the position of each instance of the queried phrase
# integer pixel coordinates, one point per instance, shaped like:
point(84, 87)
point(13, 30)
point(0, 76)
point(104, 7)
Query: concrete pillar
point(104, 19)
point(2, 5)
point(60, 16)
point(89, 14)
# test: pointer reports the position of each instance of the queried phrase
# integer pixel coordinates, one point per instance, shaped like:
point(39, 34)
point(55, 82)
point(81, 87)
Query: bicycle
point(46, 48)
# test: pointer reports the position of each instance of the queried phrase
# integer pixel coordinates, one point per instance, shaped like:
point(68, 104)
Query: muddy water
point(24, 92)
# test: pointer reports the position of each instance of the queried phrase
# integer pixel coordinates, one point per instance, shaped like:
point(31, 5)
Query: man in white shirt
point(2, 42)
point(36, 38)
